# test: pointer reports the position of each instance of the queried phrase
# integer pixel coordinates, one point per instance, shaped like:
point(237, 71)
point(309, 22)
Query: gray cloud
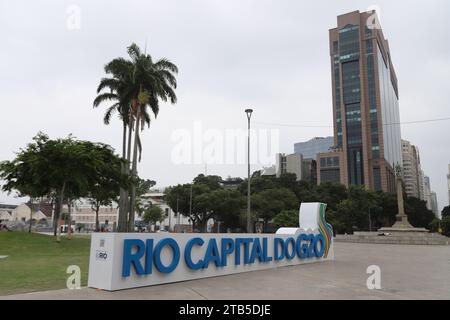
point(272, 55)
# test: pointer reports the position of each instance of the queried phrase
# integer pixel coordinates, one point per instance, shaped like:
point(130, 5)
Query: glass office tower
point(365, 105)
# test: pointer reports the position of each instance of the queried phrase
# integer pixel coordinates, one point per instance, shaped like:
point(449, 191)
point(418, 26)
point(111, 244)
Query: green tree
point(331, 194)
point(19, 175)
point(143, 186)
point(105, 188)
point(286, 219)
point(268, 203)
point(221, 205)
point(446, 212)
point(445, 225)
point(153, 214)
point(67, 168)
point(418, 214)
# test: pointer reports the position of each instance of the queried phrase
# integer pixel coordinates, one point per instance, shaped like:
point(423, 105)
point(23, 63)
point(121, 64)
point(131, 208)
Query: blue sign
point(145, 257)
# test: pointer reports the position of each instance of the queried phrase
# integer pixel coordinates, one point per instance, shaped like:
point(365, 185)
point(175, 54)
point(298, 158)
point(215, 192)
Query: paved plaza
point(407, 272)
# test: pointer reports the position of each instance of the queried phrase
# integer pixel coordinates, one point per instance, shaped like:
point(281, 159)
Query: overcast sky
point(272, 55)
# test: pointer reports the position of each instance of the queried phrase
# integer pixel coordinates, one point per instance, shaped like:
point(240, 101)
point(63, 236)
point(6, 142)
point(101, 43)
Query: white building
point(83, 214)
point(411, 169)
point(173, 221)
point(291, 163)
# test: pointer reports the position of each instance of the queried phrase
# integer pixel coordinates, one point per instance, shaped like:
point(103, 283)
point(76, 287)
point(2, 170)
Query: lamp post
point(249, 223)
point(370, 222)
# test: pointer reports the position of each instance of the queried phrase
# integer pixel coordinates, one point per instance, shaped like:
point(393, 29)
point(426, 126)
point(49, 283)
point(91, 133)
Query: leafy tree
point(331, 194)
point(434, 225)
point(153, 214)
point(445, 225)
point(143, 186)
point(105, 189)
point(418, 214)
point(212, 182)
point(222, 205)
point(66, 168)
point(18, 175)
point(287, 218)
point(446, 212)
point(269, 203)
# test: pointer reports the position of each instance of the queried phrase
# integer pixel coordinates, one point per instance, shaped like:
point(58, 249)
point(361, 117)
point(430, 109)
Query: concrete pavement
point(407, 272)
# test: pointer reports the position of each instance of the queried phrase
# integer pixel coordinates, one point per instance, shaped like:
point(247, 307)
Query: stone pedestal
point(402, 224)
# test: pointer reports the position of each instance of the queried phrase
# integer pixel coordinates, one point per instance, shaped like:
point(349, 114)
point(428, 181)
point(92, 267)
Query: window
point(377, 179)
point(330, 175)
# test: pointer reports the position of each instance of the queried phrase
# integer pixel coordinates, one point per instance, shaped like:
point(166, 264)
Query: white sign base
point(212, 254)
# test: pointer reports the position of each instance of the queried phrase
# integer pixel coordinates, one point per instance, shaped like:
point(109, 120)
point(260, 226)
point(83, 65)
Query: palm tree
point(135, 88)
point(152, 82)
point(116, 87)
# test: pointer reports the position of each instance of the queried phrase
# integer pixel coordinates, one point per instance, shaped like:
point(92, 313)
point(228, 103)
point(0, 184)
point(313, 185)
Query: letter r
point(130, 258)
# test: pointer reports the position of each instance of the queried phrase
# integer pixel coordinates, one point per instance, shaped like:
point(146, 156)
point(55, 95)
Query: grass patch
point(37, 262)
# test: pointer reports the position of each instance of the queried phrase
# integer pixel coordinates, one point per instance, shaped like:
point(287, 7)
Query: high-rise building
point(311, 148)
point(434, 204)
point(427, 192)
point(421, 185)
point(366, 116)
point(411, 169)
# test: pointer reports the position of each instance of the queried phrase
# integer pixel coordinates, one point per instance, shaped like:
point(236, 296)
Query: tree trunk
point(122, 225)
point(56, 217)
point(134, 171)
point(122, 206)
point(97, 223)
point(31, 214)
point(69, 218)
point(61, 202)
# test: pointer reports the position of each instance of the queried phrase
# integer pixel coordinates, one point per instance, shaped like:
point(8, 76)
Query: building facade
point(365, 104)
point(411, 170)
point(311, 148)
point(84, 215)
point(291, 163)
point(304, 169)
point(434, 204)
point(172, 221)
point(427, 192)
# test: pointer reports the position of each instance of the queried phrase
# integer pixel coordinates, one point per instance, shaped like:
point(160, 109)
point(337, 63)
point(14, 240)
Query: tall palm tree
point(135, 88)
point(121, 72)
point(152, 82)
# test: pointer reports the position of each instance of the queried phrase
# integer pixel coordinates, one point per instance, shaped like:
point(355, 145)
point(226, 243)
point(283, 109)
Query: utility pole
point(249, 222)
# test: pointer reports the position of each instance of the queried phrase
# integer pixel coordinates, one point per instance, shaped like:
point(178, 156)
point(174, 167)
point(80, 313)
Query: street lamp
point(249, 223)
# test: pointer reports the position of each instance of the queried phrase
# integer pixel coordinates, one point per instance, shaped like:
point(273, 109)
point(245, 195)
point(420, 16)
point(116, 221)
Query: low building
point(330, 167)
point(6, 211)
point(41, 211)
point(173, 221)
point(304, 169)
point(291, 163)
point(84, 215)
